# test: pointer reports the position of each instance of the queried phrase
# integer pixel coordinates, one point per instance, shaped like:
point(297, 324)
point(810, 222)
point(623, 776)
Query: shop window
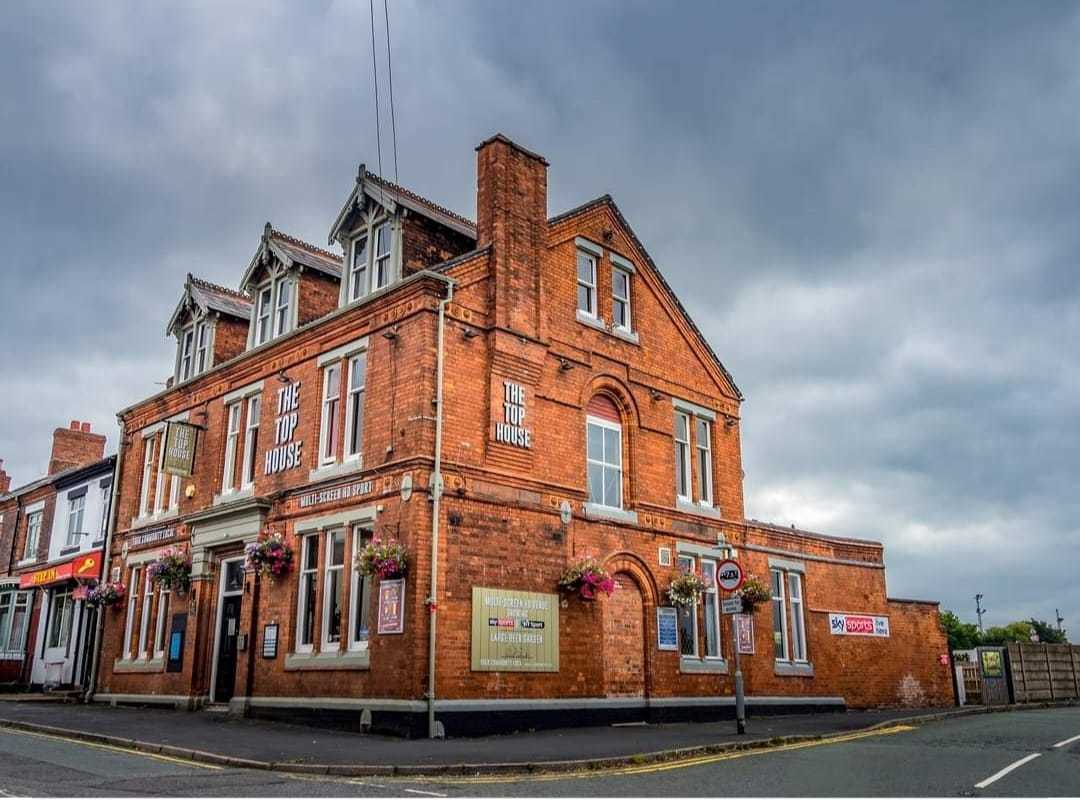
point(61, 609)
point(305, 607)
point(133, 599)
point(586, 283)
point(359, 595)
point(333, 589)
point(711, 607)
point(14, 609)
point(620, 298)
point(33, 535)
point(687, 617)
point(251, 441)
point(354, 411)
point(789, 625)
point(328, 428)
point(604, 453)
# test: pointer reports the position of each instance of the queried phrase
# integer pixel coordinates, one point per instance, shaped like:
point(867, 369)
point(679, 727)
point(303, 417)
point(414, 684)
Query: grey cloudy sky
point(872, 212)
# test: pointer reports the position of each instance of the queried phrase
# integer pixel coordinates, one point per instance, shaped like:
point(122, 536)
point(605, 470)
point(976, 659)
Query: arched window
point(604, 452)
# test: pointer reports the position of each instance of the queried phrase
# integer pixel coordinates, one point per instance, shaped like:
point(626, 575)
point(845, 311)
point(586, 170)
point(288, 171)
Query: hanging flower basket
point(106, 595)
point(383, 560)
point(685, 589)
point(587, 577)
point(172, 571)
point(271, 556)
point(753, 594)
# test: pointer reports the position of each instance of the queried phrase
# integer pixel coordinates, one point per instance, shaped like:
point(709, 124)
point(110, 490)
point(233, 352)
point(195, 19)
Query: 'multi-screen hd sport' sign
point(858, 625)
point(514, 631)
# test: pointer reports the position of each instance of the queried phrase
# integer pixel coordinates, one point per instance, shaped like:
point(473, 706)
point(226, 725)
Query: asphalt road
point(961, 757)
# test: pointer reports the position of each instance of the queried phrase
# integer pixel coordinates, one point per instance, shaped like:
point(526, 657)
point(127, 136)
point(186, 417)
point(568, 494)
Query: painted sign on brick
point(514, 631)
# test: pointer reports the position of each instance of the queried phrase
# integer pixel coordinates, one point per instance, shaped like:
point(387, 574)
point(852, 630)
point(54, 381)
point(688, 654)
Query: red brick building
point(524, 391)
point(52, 546)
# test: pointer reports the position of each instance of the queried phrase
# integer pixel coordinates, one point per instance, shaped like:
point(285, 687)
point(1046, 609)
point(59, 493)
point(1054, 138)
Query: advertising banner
point(858, 625)
point(667, 628)
point(179, 449)
point(744, 634)
point(514, 631)
point(84, 568)
point(392, 606)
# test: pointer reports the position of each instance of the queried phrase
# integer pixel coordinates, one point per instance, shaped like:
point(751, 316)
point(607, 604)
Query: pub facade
point(453, 475)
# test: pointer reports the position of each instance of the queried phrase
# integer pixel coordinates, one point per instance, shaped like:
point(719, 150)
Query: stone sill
point(599, 324)
point(358, 659)
point(796, 669)
point(701, 510)
point(120, 666)
point(593, 511)
point(153, 519)
point(713, 666)
point(233, 496)
point(336, 469)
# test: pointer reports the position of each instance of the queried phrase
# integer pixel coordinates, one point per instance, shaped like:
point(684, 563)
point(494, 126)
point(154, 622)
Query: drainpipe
point(436, 497)
point(106, 559)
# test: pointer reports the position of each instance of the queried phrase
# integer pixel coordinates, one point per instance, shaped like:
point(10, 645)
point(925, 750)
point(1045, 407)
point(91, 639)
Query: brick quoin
point(513, 320)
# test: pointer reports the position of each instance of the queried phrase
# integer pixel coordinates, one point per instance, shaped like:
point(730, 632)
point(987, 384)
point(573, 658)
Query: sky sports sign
point(858, 625)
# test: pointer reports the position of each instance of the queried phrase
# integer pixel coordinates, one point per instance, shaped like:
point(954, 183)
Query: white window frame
point(232, 442)
point(264, 314)
point(354, 403)
point(134, 576)
point(618, 301)
point(382, 263)
point(798, 631)
point(359, 590)
point(590, 287)
point(251, 441)
point(682, 458)
point(359, 288)
point(76, 515)
point(282, 313)
point(106, 501)
point(686, 564)
point(306, 575)
point(34, 520)
point(782, 600)
point(161, 636)
point(202, 347)
point(327, 595)
point(59, 614)
point(15, 600)
point(144, 616)
point(163, 478)
point(187, 352)
point(703, 451)
point(328, 415)
point(707, 565)
point(147, 474)
point(604, 464)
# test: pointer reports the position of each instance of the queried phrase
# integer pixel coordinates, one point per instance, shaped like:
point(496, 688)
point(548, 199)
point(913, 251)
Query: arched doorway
point(624, 640)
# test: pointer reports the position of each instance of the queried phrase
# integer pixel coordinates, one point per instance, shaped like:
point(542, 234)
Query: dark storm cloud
point(870, 211)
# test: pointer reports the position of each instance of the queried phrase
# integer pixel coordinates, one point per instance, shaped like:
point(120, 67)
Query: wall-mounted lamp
point(282, 377)
point(390, 335)
point(655, 395)
point(469, 333)
point(565, 365)
point(729, 422)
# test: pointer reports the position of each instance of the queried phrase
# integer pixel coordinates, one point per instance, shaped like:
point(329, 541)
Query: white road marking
point(426, 794)
point(1068, 741)
point(1001, 774)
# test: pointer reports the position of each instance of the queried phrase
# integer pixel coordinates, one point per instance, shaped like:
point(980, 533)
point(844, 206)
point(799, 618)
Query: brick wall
point(427, 243)
point(75, 446)
point(230, 338)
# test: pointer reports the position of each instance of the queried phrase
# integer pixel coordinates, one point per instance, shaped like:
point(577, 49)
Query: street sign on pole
point(731, 605)
point(729, 575)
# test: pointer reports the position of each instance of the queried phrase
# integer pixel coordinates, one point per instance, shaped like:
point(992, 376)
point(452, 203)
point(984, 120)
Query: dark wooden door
point(226, 664)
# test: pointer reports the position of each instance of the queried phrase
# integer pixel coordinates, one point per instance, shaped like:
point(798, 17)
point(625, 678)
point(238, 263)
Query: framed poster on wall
point(392, 606)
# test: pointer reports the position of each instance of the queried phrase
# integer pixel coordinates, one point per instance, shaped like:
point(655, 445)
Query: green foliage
point(1013, 632)
point(962, 635)
point(1048, 633)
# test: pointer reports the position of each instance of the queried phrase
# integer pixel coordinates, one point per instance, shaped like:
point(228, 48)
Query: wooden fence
point(1044, 672)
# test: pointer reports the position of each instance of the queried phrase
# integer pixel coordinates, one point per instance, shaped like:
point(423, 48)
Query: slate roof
point(394, 188)
point(218, 298)
point(308, 254)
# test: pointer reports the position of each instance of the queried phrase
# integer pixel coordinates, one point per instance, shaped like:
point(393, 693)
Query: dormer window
point(273, 309)
point(284, 295)
point(262, 321)
point(194, 350)
point(371, 265)
point(187, 340)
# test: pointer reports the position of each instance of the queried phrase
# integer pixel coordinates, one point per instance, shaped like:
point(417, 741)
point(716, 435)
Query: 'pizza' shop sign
point(512, 430)
point(286, 453)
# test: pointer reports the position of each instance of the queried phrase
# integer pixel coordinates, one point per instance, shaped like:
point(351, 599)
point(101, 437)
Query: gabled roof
point(606, 200)
point(289, 251)
point(389, 195)
point(209, 297)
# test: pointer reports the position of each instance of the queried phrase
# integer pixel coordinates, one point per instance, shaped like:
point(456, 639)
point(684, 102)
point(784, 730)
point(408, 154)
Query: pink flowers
point(106, 594)
point(384, 560)
point(271, 556)
point(172, 570)
point(587, 578)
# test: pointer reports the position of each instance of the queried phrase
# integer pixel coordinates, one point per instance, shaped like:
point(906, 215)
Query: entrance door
point(624, 640)
point(230, 599)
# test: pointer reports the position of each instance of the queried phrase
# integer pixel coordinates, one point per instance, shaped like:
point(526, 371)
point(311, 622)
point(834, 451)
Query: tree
point(962, 635)
point(1013, 632)
point(1047, 633)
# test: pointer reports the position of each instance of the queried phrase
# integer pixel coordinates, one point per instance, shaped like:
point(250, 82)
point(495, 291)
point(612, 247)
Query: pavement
point(218, 738)
point(1023, 753)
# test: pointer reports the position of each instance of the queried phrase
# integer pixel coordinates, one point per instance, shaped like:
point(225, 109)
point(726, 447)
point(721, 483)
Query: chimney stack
point(511, 215)
point(75, 446)
point(5, 479)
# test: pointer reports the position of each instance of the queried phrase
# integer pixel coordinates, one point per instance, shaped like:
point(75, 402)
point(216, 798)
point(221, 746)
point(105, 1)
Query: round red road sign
point(729, 575)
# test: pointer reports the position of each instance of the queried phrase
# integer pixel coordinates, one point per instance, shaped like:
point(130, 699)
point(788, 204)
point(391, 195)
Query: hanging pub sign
point(179, 457)
point(392, 606)
point(514, 631)
point(858, 625)
point(667, 628)
point(286, 453)
point(512, 431)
